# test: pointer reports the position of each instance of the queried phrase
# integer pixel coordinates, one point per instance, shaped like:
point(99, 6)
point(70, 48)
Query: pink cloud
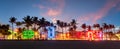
point(54, 8)
point(53, 12)
point(41, 7)
point(95, 16)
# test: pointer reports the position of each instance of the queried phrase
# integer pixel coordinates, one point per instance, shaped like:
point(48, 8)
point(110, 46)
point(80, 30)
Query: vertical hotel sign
point(51, 32)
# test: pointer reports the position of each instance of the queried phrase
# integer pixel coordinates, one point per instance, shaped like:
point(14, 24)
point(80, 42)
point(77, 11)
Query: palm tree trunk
point(62, 30)
point(12, 29)
point(102, 35)
point(65, 29)
point(34, 30)
point(28, 28)
point(58, 28)
point(34, 26)
point(85, 34)
point(114, 30)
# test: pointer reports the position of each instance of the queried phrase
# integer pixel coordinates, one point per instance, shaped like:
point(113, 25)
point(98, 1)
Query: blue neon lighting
point(51, 31)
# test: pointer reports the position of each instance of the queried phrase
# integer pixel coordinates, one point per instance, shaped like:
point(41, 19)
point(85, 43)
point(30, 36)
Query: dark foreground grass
point(58, 44)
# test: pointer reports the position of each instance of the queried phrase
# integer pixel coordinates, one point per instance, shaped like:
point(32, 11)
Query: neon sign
point(90, 35)
point(51, 32)
point(28, 34)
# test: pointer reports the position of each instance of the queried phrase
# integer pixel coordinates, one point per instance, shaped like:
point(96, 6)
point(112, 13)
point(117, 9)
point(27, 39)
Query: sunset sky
point(84, 11)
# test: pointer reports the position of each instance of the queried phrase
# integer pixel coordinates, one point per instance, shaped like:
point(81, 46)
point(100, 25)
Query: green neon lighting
point(28, 34)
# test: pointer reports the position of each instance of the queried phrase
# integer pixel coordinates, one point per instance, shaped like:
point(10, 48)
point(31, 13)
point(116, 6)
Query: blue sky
point(84, 11)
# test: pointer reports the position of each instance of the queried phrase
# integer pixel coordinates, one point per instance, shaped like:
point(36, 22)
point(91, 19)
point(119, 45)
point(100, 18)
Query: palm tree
point(73, 22)
point(62, 25)
point(89, 28)
point(18, 24)
point(96, 26)
point(105, 27)
point(65, 25)
point(101, 29)
point(71, 32)
point(58, 24)
point(35, 21)
point(110, 27)
point(113, 28)
point(110, 34)
point(4, 30)
point(73, 26)
point(84, 26)
point(42, 23)
point(12, 21)
point(28, 21)
point(47, 23)
point(39, 24)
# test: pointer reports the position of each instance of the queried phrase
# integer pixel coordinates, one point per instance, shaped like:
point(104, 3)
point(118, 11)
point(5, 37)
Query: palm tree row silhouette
point(4, 30)
point(29, 21)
